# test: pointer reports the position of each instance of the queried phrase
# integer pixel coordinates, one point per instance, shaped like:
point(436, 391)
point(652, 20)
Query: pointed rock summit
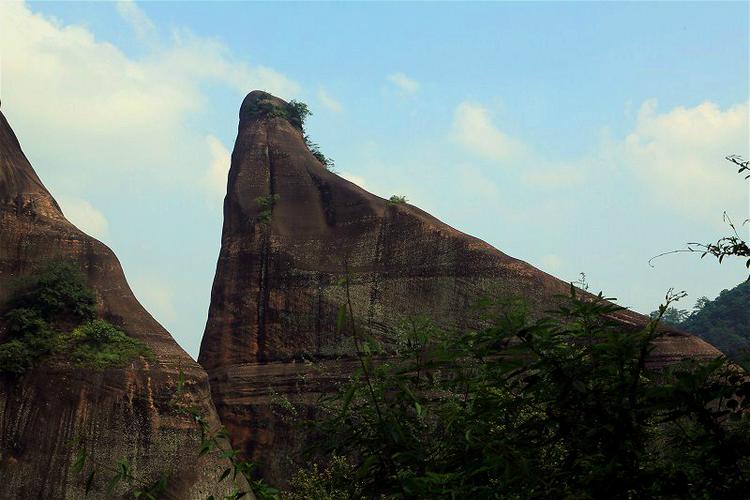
point(57, 412)
point(292, 231)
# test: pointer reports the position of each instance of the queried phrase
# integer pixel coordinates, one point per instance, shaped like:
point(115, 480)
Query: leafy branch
point(728, 246)
point(216, 440)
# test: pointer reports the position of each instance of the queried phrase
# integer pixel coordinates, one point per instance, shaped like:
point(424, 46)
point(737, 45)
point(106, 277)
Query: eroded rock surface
point(292, 231)
point(50, 413)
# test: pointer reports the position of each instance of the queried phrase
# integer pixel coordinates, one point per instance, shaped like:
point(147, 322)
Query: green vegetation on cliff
point(53, 314)
point(296, 113)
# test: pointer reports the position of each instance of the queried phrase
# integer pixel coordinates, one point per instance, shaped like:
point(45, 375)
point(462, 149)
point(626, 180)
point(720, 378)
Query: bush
point(57, 292)
point(295, 112)
point(396, 200)
point(50, 302)
point(336, 481)
point(99, 345)
point(318, 154)
point(266, 204)
point(560, 407)
point(15, 357)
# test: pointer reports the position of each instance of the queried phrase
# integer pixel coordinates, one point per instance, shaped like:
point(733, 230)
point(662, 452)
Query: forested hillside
point(724, 321)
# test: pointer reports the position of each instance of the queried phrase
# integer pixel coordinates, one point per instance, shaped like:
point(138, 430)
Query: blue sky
point(580, 137)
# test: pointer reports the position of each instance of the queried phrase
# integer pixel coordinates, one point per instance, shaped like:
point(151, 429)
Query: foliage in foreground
point(53, 314)
point(562, 407)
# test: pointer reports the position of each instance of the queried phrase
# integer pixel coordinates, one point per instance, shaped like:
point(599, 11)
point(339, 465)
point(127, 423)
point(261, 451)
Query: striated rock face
point(49, 414)
point(292, 230)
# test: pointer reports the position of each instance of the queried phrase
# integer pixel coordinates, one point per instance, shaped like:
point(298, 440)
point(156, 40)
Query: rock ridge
point(54, 411)
point(292, 231)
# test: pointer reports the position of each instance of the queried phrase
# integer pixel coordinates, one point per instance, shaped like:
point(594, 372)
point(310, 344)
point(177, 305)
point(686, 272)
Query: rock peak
point(260, 105)
point(20, 187)
point(293, 233)
point(115, 412)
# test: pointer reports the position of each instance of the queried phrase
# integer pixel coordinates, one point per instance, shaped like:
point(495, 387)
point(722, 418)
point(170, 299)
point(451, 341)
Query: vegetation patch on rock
point(53, 315)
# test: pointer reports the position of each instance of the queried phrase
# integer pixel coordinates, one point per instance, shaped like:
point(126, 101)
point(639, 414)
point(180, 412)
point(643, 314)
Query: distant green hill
point(724, 321)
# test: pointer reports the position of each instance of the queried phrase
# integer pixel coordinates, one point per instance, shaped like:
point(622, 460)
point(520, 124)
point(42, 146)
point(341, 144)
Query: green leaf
point(341, 317)
point(348, 395)
point(225, 474)
point(89, 483)
point(79, 461)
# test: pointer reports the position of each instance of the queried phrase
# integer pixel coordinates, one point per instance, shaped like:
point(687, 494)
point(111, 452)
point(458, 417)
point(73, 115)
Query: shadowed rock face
point(54, 410)
point(292, 230)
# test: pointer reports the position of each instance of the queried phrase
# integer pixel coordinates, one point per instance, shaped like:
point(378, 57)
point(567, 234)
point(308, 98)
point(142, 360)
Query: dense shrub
point(57, 292)
point(266, 204)
point(15, 357)
point(561, 407)
point(295, 112)
point(46, 305)
point(336, 481)
point(396, 200)
point(99, 344)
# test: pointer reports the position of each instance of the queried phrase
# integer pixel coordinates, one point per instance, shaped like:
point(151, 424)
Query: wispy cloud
point(404, 83)
point(355, 179)
point(156, 296)
point(329, 102)
point(218, 168)
point(144, 28)
point(84, 216)
point(473, 129)
point(551, 262)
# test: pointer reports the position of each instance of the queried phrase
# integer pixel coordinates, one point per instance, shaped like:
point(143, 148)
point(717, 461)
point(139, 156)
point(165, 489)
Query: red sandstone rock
point(117, 413)
point(277, 287)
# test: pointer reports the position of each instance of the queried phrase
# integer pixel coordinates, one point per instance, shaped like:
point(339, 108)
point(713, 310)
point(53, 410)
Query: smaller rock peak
point(259, 105)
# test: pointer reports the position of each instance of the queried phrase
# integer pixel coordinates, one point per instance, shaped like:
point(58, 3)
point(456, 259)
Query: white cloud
point(84, 216)
point(138, 20)
point(218, 169)
point(359, 181)
point(329, 102)
point(678, 156)
point(404, 83)
point(156, 296)
point(474, 130)
point(104, 118)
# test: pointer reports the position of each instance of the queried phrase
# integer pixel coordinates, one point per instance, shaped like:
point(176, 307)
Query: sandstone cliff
point(292, 230)
point(48, 415)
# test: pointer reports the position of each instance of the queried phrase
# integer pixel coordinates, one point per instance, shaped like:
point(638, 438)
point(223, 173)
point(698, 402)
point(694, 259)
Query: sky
point(579, 137)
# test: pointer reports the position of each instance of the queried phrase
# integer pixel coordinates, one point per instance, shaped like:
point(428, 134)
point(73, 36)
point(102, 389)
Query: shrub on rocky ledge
point(46, 306)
